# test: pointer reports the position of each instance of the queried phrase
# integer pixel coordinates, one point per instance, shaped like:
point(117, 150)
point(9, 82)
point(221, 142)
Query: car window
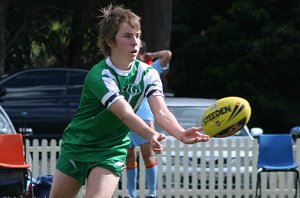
point(77, 77)
point(37, 78)
point(187, 116)
point(76, 80)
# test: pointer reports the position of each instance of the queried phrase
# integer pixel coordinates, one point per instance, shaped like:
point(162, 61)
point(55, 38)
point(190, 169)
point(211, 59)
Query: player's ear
point(110, 42)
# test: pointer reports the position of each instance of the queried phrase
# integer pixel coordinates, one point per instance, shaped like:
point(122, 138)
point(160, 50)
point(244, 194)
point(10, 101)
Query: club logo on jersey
point(133, 89)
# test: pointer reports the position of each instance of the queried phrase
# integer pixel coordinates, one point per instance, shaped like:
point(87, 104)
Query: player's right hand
point(155, 142)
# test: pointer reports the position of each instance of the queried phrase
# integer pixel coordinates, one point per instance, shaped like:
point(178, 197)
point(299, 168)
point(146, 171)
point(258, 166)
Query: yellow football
point(226, 117)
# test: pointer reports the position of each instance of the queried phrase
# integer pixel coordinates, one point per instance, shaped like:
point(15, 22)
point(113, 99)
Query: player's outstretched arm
point(124, 112)
point(166, 120)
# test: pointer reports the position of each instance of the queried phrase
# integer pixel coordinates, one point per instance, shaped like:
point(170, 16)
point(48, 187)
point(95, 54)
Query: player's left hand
point(193, 135)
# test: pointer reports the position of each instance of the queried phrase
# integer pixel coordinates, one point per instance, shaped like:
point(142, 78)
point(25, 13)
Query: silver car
point(6, 126)
point(188, 112)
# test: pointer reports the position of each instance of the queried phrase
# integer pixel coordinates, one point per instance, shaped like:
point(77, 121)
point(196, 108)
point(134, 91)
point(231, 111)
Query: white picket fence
point(218, 168)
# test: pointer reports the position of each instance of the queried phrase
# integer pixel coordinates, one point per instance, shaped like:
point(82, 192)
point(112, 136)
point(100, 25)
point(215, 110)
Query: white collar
point(119, 71)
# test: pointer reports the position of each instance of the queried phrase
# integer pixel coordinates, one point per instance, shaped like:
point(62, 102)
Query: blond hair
point(112, 18)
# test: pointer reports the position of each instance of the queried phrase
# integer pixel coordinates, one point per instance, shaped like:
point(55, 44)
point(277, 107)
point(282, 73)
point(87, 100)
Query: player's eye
point(138, 35)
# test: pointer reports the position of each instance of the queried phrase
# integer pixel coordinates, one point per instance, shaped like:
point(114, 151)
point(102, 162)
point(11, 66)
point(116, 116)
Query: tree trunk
point(156, 27)
point(3, 8)
point(156, 23)
point(80, 22)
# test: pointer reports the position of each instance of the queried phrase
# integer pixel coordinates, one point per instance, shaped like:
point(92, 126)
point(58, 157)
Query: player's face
point(126, 46)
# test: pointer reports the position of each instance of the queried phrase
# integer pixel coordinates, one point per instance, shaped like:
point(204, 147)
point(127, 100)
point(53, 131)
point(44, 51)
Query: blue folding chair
point(275, 154)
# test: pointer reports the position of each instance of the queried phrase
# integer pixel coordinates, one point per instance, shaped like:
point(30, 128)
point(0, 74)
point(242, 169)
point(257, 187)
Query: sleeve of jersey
point(154, 84)
point(107, 90)
point(159, 67)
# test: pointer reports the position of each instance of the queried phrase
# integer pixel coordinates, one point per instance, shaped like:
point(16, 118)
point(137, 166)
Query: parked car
point(44, 100)
point(295, 131)
point(188, 112)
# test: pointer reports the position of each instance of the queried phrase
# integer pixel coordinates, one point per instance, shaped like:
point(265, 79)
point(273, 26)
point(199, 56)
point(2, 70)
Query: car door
point(74, 89)
point(36, 98)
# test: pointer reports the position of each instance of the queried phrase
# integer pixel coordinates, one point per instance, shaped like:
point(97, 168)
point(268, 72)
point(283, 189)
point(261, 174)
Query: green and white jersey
point(95, 133)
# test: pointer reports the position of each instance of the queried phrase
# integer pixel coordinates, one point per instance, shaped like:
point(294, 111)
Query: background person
point(160, 61)
point(94, 144)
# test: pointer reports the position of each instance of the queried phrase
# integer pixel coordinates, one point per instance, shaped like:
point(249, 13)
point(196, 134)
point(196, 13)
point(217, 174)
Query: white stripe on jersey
point(153, 76)
point(110, 83)
point(150, 76)
point(142, 67)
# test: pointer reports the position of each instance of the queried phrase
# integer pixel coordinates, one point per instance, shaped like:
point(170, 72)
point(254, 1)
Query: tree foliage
point(251, 51)
point(248, 48)
point(65, 33)
point(45, 33)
